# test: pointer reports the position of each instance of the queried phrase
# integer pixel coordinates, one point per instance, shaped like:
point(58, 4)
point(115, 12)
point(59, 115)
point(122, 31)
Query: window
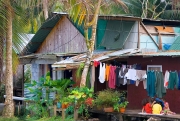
point(154, 67)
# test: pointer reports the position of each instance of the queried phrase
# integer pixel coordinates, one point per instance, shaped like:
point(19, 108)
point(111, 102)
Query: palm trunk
point(8, 110)
point(45, 8)
point(1, 58)
point(91, 47)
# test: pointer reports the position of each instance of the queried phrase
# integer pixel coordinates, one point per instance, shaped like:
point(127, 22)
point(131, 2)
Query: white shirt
point(131, 74)
point(102, 72)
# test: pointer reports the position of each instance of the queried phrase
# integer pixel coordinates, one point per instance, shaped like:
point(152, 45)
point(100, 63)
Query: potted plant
point(61, 89)
point(65, 102)
point(107, 99)
point(121, 105)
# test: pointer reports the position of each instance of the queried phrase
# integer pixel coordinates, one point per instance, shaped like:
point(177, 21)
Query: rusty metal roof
point(81, 58)
point(163, 53)
point(97, 56)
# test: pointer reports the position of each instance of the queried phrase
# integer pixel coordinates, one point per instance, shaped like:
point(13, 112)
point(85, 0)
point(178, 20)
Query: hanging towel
point(166, 79)
point(179, 81)
point(159, 84)
point(141, 76)
point(173, 80)
point(122, 79)
point(151, 79)
point(117, 75)
point(102, 72)
point(112, 77)
point(107, 72)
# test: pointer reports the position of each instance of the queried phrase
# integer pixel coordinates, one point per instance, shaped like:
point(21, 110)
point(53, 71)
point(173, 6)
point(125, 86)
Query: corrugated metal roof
point(97, 56)
point(115, 53)
point(47, 26)
point(75, 60)
point(166, 53)
point(176, 44)
point(41, 34)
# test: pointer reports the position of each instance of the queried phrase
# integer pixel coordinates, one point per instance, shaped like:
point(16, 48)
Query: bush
point(107, 98)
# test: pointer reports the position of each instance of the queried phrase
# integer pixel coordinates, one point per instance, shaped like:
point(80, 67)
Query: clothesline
point(155, 82)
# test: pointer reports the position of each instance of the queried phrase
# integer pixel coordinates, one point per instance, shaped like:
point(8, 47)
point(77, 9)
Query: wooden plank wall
point(64, 38)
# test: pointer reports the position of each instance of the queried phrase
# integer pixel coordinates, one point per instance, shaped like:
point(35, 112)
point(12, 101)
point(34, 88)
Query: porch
point(131, 115)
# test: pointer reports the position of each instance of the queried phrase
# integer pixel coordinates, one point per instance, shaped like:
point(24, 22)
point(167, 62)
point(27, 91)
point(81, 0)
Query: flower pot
point(65, 105)
point(122, 110)
point(109, 109)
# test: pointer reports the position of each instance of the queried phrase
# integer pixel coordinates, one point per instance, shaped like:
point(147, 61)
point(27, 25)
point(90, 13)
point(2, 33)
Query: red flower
point(89, 101)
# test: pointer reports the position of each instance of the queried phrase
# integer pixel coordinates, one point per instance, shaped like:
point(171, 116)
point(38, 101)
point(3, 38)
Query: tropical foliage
point(146, 8)
point(41, 101)
point(107, 98)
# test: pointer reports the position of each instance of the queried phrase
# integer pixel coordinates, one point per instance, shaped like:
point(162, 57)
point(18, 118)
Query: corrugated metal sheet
point(97, 56)
point(116, 53)
point(75, 60)
point(176, 44)
point(166, 53)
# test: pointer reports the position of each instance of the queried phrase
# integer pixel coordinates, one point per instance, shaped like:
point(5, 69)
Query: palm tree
point(13, 21)
point(146, 8)
point(11, 48)
point(86, 12)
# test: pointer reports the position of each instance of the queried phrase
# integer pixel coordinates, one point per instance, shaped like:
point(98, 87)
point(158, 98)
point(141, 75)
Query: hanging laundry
point(141, 76)
point(112, 77)
point(107, 70)
point(131, 82)
point(102, 72)
point(131, 74)
point(117, 75)
point(122, 78)
point(166, 79)
point(151, 79)
point(173, 80)
point(96, 63)
point(179, 81)
point(159, 84)
point(138, 67)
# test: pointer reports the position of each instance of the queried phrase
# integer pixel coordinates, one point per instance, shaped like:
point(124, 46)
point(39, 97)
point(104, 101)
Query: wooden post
point(120, 117)
point(23, 83)
point(54, 110)
point(63, 114)
point(92, 76)
point(149, 34)
point(75, 113)
point(18, 108)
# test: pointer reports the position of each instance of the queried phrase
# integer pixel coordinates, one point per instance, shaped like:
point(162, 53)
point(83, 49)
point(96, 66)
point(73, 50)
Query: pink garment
point(112, 77)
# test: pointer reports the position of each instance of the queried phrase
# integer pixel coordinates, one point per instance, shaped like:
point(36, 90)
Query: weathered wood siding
point(64, 38)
